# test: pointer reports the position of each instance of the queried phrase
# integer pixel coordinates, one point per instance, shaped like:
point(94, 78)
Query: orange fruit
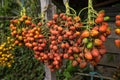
point(94, 33)
point(117, 31)
point(117, 23)
point(117, 43)
point(85, 34)
point(88, 55)
point(98, 42)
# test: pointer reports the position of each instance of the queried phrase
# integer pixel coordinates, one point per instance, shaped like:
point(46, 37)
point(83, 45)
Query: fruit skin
point(94, 33)
point(103, 28)
point(117, 43)
point(85, 34)
point(95, 52)
point(88, 55)
point(98, 42)
point(106, 18)
point(102, 37)
point(83, 64)
point(85, 40)
point(117, 23)
point(74, 63)
point(89, 45)
point(117, 31)
point(102, 51)
point(117, 17)
point(99, 20)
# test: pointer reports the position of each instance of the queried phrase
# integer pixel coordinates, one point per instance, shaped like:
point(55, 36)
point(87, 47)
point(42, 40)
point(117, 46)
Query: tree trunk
point(49, 8)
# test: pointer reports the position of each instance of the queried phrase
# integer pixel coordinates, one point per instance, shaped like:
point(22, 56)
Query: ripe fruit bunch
point(35, 40)
point(70, 39)
point(6, 56)
point(61, 41)
point(93, 37)
point(117, 30)
point(17, 26)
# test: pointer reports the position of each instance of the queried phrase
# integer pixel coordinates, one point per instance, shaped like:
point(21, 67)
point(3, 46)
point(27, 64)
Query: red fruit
point(53, 42)
point(35, 48)
point(60, 28)
point(117, 22)
point(70, 51)
point(57, 66)
point(62, 45)
point(101, 13)
point(50, 66)
point(55, 16)
point(96, 28)
point(98, 58)
point(95, 52)
point(71, 57)
point(74, 63)
point(83, 64)
point(117, 43)
point(69, 18)
point(37, 53)
point(55, 47)
point(117, 17)
point(39, 24)
point(93, 63)
point(76, 49)
point(79, 59)
point(88, 55)
point(66, 56)
point(40, 48)
point(51, 56)
point(99, 20)
point(64, 17)
point(72, 28)
point(102, 37)
point(48, 24)
point(103, 28)
point(60, 38)
point(45, 56)
point(55, 62)
point(43, 45)
point(36, 56)
point(61, 15)
point(102, 51)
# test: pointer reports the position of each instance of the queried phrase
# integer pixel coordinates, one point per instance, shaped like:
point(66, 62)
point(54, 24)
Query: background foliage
point(25, 67)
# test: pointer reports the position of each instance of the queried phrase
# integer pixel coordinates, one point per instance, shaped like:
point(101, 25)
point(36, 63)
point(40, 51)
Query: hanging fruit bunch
point(117, 30)
point(94, 32)
point(27, 33)
point(35, 40)
point(71, 39)
point(18, 26)
point(6, 48)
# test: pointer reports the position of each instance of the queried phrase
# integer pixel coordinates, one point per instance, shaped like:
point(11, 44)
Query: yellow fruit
point(20, 37)
point(1, 47)
point(8, 38)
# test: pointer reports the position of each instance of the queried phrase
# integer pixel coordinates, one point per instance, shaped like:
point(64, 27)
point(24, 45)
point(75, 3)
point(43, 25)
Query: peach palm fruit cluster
point(117, 30)
point(6, 56)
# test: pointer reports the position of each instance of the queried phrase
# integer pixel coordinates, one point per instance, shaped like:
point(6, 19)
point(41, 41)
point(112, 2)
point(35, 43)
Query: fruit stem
point(82, 11)
point(89, 10)
point(68, 8)
point(23, 11)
